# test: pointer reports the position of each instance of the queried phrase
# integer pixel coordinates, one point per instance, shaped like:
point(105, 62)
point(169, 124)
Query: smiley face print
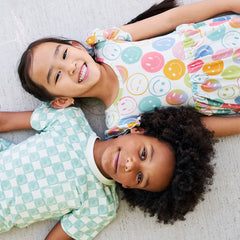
point(231, 39)
point(152, 62)
point(137, 84)
point(131, 54)
point(163, 44)
point(229, 92)
point(111, 51)
point(213, 68)
point(127, 105)
point(159, 86)
point(174, 69)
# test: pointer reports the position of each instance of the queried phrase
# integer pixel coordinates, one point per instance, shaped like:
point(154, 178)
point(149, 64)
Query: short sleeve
point(85, 227)
point(97, 36)
point(98, 208)
point(4, 144)
point(42, 116)
point(46, 118)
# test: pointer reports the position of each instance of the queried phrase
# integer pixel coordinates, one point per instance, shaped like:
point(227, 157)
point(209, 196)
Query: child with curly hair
point(65, 172)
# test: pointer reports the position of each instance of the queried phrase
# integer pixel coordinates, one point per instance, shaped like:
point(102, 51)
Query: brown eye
point(143, 155)
point(58, 75)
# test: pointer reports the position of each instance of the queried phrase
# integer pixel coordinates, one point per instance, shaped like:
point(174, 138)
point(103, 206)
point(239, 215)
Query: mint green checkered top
point(53, 175)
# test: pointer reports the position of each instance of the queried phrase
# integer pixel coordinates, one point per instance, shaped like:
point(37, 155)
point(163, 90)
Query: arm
point(10, 121)
point(222, 126)
point(169, 20)
point(57, 233)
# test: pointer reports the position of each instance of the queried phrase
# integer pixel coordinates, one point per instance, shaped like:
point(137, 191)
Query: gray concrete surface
point(22, 21)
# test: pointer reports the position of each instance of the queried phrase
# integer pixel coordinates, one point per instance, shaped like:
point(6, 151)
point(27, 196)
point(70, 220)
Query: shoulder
point(45, 115)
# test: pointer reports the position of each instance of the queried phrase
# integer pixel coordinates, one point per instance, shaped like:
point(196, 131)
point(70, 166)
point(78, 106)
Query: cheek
point(163, 175)
point(107, 163)
point(65, 82)
point(94, 70)
point(125, 179)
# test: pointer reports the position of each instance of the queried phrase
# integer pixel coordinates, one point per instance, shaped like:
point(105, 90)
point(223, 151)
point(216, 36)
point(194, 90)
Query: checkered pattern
point(47, 176)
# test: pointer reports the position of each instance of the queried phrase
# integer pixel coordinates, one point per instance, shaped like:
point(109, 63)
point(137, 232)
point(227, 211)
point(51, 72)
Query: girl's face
point(64, 70)
point(138, 161)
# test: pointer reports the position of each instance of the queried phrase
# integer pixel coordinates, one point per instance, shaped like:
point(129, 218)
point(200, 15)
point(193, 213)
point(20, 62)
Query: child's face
point(64, 70)
point(138, 161)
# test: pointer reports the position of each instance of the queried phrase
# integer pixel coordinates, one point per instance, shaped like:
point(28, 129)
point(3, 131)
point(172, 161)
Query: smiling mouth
point(83, 73)
point(116, 160)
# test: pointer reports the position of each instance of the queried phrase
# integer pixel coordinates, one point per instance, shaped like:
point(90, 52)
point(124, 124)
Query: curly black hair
point(193, 146)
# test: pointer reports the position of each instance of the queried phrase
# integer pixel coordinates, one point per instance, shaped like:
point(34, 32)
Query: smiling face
point(138, 161)
point(64, 70)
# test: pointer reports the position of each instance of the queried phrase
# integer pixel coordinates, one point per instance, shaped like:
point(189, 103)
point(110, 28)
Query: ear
point(137, 130)
point(62, 102)
point(77, 45)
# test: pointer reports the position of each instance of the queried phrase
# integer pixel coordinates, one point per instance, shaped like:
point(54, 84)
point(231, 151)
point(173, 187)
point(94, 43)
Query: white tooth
point(83, 72)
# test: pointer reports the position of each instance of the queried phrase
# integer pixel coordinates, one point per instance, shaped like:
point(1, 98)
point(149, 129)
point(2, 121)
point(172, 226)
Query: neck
point(109, 85)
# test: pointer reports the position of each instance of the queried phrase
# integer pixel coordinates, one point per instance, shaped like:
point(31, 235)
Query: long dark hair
point(31, 87)
point(155, 9)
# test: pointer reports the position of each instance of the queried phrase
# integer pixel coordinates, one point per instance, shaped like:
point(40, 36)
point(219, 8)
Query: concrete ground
point(22, 21)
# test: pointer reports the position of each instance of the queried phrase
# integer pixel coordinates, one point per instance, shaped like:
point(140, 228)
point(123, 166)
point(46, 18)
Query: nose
point(69, 66)
point(130, 165)
point(72, 67)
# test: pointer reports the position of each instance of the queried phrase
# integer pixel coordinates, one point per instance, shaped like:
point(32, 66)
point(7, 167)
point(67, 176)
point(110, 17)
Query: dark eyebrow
point(51, 68)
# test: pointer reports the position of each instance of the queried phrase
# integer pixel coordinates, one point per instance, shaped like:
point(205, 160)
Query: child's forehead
point(45, 51)
point(48, 46)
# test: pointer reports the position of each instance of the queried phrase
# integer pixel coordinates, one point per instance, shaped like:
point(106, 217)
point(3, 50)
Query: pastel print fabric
point(212, 52)
point(196, 65)
point(48, 176)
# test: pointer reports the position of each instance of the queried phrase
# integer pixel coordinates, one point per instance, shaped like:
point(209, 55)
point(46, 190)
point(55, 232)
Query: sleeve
point(79, 225)
point(45, 117)
point(42, 116)
point(4, 144)
point(97, 35)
